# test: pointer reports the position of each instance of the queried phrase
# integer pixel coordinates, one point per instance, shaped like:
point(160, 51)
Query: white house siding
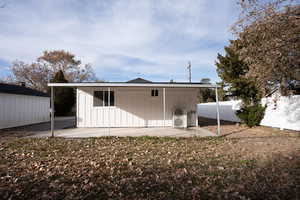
point(19, 110)
point(134, 107)
point(284, 114)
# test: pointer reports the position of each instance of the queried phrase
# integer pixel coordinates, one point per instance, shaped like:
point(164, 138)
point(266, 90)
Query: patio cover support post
point(108, 89)
point(76, 106)
point(218, 112)
point(52, 111)
point(164, 105)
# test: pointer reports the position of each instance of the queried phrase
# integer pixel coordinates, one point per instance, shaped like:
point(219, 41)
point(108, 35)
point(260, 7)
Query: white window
point(101, 98)
point(154, 93)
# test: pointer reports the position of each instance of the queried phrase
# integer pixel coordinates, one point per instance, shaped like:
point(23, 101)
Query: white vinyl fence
point(20, 110)
point(281, 112)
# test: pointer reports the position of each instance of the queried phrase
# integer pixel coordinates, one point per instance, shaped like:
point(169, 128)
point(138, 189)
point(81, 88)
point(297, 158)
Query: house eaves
point(150, 85)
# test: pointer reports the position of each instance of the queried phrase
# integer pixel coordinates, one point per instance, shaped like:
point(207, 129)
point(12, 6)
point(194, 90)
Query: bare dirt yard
point(256, 163)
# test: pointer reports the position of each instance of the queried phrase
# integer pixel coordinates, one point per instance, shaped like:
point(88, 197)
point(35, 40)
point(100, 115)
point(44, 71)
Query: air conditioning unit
point(179, 118)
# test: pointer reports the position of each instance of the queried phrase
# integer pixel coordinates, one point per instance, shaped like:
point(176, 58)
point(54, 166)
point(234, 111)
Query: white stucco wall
point(20, 110)
point(284, 114)
point(134, 107)
point(227, 110)
point(281, 113)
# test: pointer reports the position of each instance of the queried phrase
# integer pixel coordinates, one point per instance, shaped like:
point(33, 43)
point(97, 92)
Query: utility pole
point(190, 71)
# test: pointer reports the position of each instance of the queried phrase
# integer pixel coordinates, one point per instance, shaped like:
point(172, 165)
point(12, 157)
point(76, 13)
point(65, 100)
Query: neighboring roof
point(139, 80)
point(21, 90)
point(130, 84)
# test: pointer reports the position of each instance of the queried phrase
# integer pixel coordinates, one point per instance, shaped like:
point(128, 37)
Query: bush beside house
point(251, 115)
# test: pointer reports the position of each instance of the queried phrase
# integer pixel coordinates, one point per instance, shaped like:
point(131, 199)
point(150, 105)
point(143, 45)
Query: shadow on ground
point(60, 123)
point(203, 122)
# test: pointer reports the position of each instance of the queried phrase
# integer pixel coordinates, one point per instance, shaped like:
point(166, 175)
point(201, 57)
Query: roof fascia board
point(168, 85)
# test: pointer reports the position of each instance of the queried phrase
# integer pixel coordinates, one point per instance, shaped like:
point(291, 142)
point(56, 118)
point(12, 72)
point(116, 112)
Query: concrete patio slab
point(127, 132)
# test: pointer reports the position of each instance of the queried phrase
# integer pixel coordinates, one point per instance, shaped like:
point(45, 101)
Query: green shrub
point(251, 115)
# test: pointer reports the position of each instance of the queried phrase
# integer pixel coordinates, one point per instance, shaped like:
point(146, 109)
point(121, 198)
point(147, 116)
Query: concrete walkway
point(124, 132)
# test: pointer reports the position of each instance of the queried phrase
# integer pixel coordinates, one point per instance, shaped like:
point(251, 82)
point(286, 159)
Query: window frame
point(103, 100)
point(154, 93)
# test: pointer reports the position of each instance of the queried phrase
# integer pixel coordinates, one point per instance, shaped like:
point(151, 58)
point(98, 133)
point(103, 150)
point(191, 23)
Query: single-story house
point(136, 103)
point(21, 106)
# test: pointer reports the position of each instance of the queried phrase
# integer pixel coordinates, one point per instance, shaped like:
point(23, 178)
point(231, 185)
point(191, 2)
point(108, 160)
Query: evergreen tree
point(64, 97)
point(232, 71)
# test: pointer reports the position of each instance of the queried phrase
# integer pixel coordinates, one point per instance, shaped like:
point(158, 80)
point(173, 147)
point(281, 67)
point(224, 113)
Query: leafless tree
point(269, 41)
point(37, 74)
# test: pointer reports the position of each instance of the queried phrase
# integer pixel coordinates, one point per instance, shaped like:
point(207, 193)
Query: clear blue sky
point(121, 39)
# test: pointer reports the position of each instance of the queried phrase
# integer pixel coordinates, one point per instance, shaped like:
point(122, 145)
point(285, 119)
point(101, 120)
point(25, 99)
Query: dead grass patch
point(150, 168)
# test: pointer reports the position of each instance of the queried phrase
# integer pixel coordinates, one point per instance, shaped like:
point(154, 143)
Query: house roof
point(134, 84)
point(20, 90)
point(138, 80)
